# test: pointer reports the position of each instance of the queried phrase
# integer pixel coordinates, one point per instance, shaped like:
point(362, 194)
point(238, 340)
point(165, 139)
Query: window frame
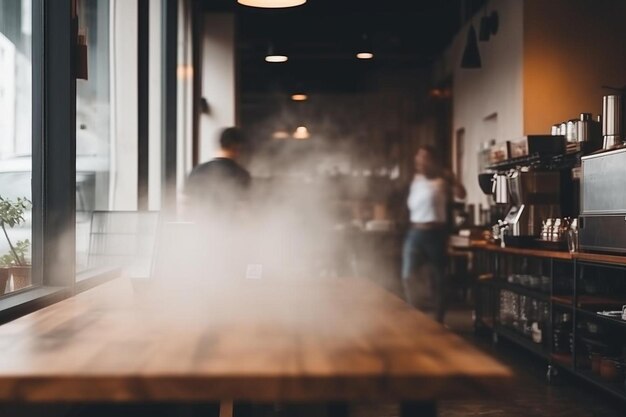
point(53, 134)
point(53, 232)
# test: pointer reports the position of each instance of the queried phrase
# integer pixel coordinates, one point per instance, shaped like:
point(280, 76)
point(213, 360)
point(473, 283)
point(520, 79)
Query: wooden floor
point(566, 397)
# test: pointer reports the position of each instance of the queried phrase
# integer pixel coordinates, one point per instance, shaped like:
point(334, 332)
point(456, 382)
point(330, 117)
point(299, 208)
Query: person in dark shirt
point(217, 189)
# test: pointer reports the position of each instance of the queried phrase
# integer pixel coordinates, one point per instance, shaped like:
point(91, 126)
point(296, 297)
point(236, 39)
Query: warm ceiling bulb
point(272, 4)
point(299, 97)
point(301, 133)
point(276, 58)
point(280, 134)
point(365, 55)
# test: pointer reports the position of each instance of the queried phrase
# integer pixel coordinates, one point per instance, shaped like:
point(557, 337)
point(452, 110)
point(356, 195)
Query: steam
point(297, 227)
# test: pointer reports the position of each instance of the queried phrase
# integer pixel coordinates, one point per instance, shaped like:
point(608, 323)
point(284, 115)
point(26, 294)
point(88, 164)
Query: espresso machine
point(535, 195)
point(602, 221)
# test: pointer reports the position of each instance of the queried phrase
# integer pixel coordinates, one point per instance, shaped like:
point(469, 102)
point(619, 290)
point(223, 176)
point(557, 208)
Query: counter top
point(581, 256)
point(258, 340)
point(541, 253)
point(601, 258)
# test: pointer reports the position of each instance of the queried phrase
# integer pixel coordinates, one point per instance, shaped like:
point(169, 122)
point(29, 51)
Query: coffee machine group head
point(534, 197)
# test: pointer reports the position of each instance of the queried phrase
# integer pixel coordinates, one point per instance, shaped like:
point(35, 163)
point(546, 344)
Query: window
point(42, 103)
point(15, 141)
point(93, 123)
point(106, 118)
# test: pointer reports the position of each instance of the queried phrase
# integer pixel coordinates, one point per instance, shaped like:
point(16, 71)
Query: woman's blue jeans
point(425, 247)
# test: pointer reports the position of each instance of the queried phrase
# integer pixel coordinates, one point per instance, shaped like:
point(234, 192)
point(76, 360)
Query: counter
point(542, 253)
point(491, 247)
point(562, 293)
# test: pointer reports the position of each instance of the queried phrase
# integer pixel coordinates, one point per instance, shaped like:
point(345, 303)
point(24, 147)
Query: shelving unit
point(518, 339)
point(562, 301)
point(605, 319)
point(580, 306)
point(615, 389)
point(555, 161)
point(520, 289)
point(587, 300)
point(562, 359)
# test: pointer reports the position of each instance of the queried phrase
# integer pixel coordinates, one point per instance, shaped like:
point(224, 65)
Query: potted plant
point(20, 270)
point(11, 215)
point(5, 263)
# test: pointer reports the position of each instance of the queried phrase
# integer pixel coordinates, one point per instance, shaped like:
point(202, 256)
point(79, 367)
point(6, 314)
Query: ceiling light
point(471, 55)
point(440, 93)
point(299, 97)
point(274, 56)
point(271, 4)
point(301, 133)
point(364, 50)
point(280, 134)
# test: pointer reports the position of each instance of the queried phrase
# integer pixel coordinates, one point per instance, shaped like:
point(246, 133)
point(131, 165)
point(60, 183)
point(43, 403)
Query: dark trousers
point(421, 248)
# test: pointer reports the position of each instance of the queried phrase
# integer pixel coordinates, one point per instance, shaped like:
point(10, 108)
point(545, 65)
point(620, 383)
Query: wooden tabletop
point(262, 340)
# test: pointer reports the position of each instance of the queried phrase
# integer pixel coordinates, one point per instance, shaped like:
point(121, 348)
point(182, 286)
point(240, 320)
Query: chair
point(123, 239)
point(179, 250)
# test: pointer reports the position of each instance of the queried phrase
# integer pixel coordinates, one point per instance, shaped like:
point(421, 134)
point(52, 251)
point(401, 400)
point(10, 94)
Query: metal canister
point(571, 132)
point(501, 189)
point(612, 120)
point(555, 130)
point(583, 127)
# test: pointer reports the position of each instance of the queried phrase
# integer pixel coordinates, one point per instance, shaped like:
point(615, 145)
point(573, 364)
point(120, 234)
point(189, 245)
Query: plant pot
point(4, 279)
point(21, 277)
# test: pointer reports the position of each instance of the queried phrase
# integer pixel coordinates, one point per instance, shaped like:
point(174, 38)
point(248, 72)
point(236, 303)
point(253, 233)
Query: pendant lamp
point(274, 56)
point(271, 4)
point(301, 133)
point(365, 48)
point(300, 96)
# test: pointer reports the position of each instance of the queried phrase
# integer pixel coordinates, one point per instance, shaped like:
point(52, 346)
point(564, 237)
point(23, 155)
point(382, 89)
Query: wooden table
point(252, 340)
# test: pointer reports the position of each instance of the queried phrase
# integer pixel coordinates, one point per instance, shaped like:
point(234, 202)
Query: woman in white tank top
point(426, 241)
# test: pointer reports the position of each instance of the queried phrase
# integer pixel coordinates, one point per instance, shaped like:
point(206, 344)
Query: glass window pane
point(15, 143)
point(106, 123)
point(93, 124)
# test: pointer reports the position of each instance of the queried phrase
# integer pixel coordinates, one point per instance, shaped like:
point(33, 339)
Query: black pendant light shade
point(471, 55)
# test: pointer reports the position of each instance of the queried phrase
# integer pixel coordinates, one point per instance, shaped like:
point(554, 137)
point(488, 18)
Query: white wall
point(218, 80)
point(123, 52)
point(497, 87)
point(154, 107)
point(184, 95)
point(571, 49)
